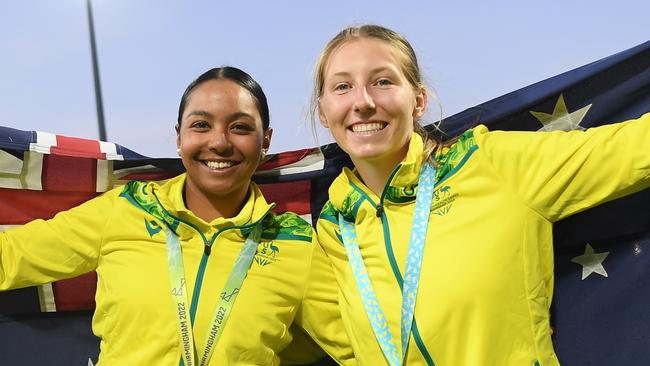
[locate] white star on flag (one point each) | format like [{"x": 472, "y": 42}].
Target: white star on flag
[
  {"x": 561, "y": 119},
  {"x": 591, "y": 262}
]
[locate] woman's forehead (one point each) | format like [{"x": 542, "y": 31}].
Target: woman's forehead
[
  {"x": 221, "y": 95},
  {"x": 367, "y": 54}
]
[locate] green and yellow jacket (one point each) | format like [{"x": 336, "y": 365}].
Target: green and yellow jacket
[
  {"x": 487, "y": 273},
  {"x": 121, "y": 236}
]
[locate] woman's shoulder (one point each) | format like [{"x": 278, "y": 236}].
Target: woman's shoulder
[
  {"x": 287, "y": 226},
  {"x": 146, "y": 192},
  {"x": 135, "y": 191},
  {"x": 149, "y": 197},
  {"x": 460, "y": 145},
  {"x": 329, "y": 213},
  {"x": 455, "y": 152}
]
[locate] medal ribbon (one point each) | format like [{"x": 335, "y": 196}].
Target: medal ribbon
[
  {"x": 389, "y": 347},
  {"x": 226, "y": 298}
]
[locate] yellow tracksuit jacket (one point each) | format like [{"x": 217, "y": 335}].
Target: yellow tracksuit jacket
[
  {"x": 121, "y": 235},
  {"x": 487, "y": 272}
]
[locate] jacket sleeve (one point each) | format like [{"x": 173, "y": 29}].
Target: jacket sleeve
[
  {"x": 65, "y": 246},
  {"x": 319, "y": 315},
  {"x": 558, "y": 174}
]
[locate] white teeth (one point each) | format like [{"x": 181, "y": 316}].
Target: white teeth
[
  {"x": 219, "y": 164},
  {"x": 367, "y": 127}
]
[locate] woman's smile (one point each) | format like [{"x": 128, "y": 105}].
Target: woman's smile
[{"x": 367, "y": 127}]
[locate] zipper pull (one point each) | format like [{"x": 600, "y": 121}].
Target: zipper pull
[
  {"x": 207, "y": 250},
  {"x": 380, "y": 210}
]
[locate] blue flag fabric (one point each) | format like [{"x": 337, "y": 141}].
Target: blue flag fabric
[
  {"x": 604, "y": 320},
  {"x": 601, "y": 308},
  {"x": 613, "y": 89}
]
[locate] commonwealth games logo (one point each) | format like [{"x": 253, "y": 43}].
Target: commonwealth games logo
[
  {"x": 266, "y": 253},
  {"x": 443, "y": 200}
]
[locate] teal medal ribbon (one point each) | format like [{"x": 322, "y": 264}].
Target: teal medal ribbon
[
  {"x": 226, "y": 298},
  {"x": 389, "y": 347}
]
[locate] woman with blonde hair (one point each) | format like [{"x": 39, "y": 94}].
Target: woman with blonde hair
[{"x": 443, "y": 253}]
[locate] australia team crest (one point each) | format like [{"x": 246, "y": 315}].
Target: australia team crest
[
  {"x": 267, "y": 253},
  {"x": 443, "y": 200}
]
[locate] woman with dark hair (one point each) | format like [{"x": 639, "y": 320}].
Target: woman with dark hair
[{"x": 177, "y": 279}]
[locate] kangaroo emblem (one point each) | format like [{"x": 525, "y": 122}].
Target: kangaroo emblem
[
  {"x": 267, "y": 253},
  {"x": 274, "y": 249},
  {"x": 444, "y": 200}
]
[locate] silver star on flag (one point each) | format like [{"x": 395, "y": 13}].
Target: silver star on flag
[
  {"x": 561, "y": 119},
  {"x": 591, "y": 262}
]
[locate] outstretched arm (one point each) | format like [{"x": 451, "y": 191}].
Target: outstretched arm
[
  {"x": 561, "y": 173},
  {"x": 65, "y": 246}
]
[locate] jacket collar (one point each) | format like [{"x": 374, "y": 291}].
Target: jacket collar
[
  {"x": 169, "y": 198},
  {"x": 348, "y": 191}
]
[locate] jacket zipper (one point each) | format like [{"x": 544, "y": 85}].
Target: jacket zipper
[
  {"x": 204, "y": 260},
  {"x": 206, "y": 252}
]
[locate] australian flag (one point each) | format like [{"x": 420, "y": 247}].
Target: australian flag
[{"x": 601, "y": 307}]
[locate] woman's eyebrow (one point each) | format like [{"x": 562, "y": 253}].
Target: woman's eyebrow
[
  {"x": 380, "y": 69},
  {"x": 374, "y": 71},
  {"x": 238, "y": 115},
  {"x": 199, "y": 113}
]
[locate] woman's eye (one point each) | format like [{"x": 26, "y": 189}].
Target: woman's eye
[
  {"x": 341, "y": 87},
  {"x": 384, "y": 82},
  {"x": 241, "y": 127},
  {"x": 200, "y": 124}
]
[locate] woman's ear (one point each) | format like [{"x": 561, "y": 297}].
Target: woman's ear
[
  {"x": 421, "y": 102},
  {"x": 266, "y": 142},
  {"x": 178, "y": 139},
  {"x": 321, "y": 115}
]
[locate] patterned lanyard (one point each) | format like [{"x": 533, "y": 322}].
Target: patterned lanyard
[
  {"x": 226, "y": 298},
  {"x": 411, "y": 277}
]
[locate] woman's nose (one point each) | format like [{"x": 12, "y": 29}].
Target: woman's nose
[
  {"x": 363, "y": 101},
  {"x": 220, "y": 142}
]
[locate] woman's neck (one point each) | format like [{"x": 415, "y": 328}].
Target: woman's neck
[
  {"x": 209, "y": 208},
  {"x": 375, "y": 173},
  {"x": 373, "y": 177}
]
